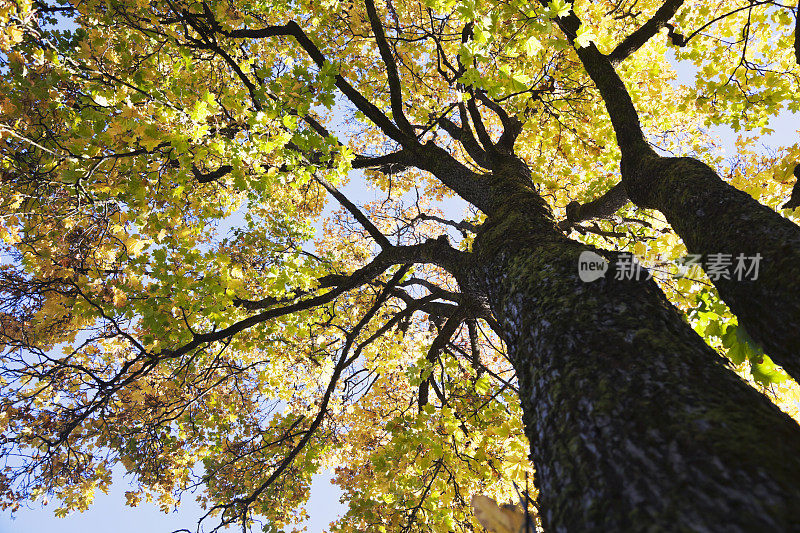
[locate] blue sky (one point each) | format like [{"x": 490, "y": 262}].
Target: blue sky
[{"x": 108, "y": 513}]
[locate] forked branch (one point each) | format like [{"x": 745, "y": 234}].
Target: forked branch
[{"x": 638, "y": 38}]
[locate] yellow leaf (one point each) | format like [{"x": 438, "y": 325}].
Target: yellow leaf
[
  {"x": 120, "y": 298},
  {"x": 495, "y": 518},
  {"x": 135, "y": 246}
]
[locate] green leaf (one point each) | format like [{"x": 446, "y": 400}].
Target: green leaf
[
  {"x": 532, "y": 46},
  {"x": 289, "y": 122},
  {"x": 520, "y": 82},
  {"x": 766, "y": 373},
  {"x": 482, "y": 385},
  {"x": 481, "y": 36},
  {"x": 558, "y": 8},
  {"x": 737, "y": 351},
  {"x": 584, "y": 36}
]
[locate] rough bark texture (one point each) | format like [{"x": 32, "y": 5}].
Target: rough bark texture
[
  {"x": 712, "y": 217},
  {"x": 634, "y": 422},
  {"x": 709, "y": 215},
  {"x": 604, "y": 207}
]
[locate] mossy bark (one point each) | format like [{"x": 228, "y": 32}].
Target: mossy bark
[
  {"x": 714, "y": 218},
  {"x": 634, "y": 422},
  {"x": 709, "y": 215}
]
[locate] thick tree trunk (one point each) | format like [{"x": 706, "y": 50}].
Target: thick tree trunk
[
  {"x": 634, "y": 422},
  {"x": 714, "y": 218}
]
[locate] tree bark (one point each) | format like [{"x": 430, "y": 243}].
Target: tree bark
[
  {"x": 714, "y": 218},
  {"x": 711, "y": 217},
  {"x": 634, "y": 422}
]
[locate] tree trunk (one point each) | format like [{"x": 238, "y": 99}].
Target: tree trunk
[
  {"x": 714, "y": 218},
  {"x": 634, "y": 422},
  {"x": 711, "y": 217}
]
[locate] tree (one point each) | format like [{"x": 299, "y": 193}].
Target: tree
[{"x": 163, "y": 307}]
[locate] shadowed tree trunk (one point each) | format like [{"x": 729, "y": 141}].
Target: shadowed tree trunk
[
  {"x": 633, "y": 420},
  {"x": 711, "y": 216},
  {"x": 714, "y": 218}
]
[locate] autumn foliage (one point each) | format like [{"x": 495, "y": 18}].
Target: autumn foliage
[{"x": 194, "y": 284}]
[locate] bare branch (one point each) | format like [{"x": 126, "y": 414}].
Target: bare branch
[
  {"x": 428, "y": 157},
  {"x": 395, "y": 89},
  {"x": 374, "y": 232},
  {"x": 480, "y": 128},
  {"x": 512, "y": 126},
  {"x": 341, "y": 364},
  {"x": 463, "y": 135},
  {"x": 211, "y": 176},
  {"x": 603, "y": 207},
  {"x": 434, "y": 251},
  {"x": 292, "y": 29},
  {"x": 751, "y": 4},
  {"x": 472, "y": 328},
  {"x": 445, "y": 333},
  {"x": 393, "y": 162},
  {"x": 462, "y": 226}
]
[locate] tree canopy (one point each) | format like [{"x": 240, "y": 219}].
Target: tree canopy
[{"x": 190, "y": 288}]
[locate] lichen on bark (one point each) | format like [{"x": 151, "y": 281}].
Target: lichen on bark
[
  {"x": 634, "y": 422},
  {"x": 713, "y": 217}
]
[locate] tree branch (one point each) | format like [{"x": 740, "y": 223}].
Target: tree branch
[
  {"x": 428, "y": 157},
  {"x": 603, "y": 207},
  {"x": 462, "y": 226},
  {"x": 395, "y": 88},
  {"x": 480, "y": 128},
  {"x": 428, "y": 306},
  {"x": 448, "y": 330},
  {"x": 392, "y": 162},
  {"x": 617, "y": 99},
  {"x": 369, "y": 109},
  {"x": 292, "y": 29},
  {"x": 512, "y": 126},
  {"x": 638, "y": 38},
  {"x": 207, "y": 26},
  {"x": 794, "y": 198},
  {"x": 463, "y": 135},
  {"x": 374, "y": 232},
  {"x": 425, "y": 304},
  {"x": 341, "y": 364},
  {"x": 211, "y": 176},
  {"x": 797, "y": 33},
  {"x": 436, "y": 291},
  {"x": 472, "y": 328},
  {"x": 433, "y": 251}
]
